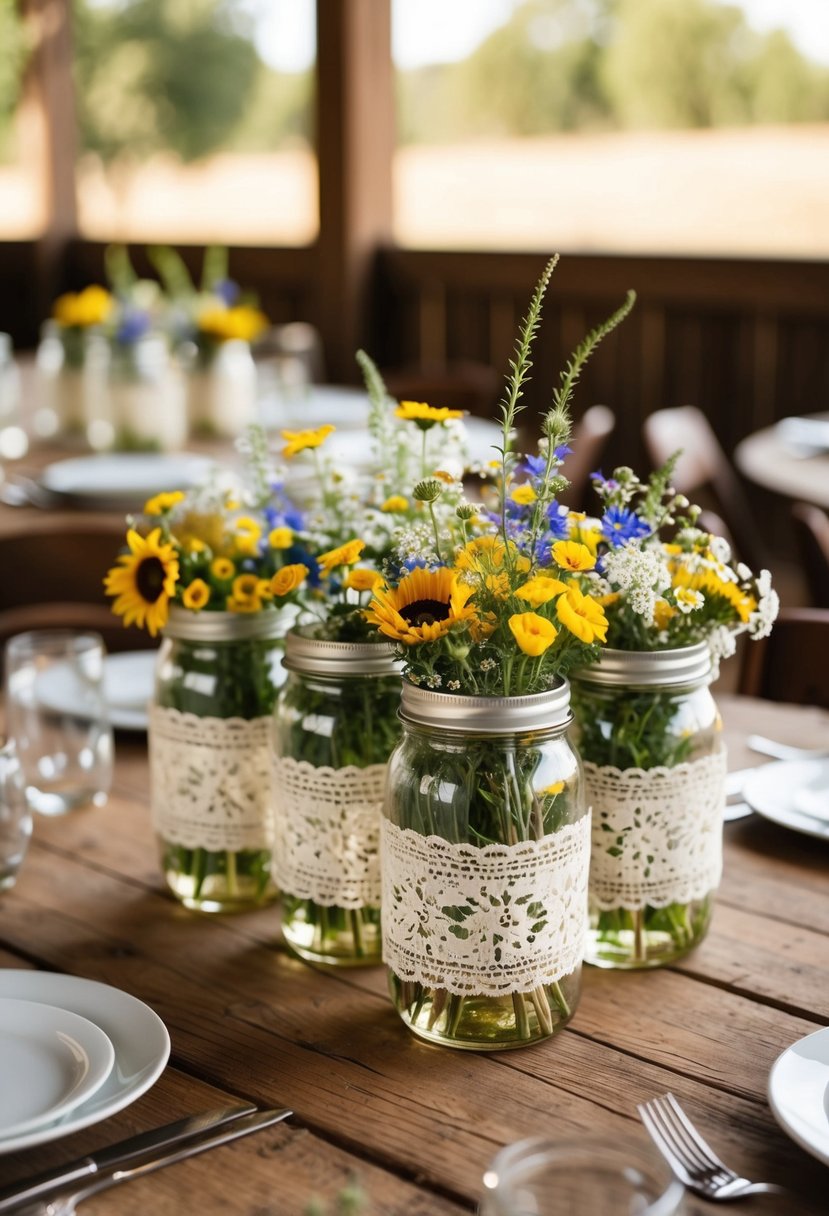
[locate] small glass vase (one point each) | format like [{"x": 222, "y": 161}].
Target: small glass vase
[
  {"x": 222, "y": 389},
  {"x": 335, "y": 725},
  {"x": 145, "y": 406},
  {"x": 650, "y": 736},
  {"x": 217, "y": 677},
  {"x": 63, "y": 393},
  {"x": 485, "y": 852}
]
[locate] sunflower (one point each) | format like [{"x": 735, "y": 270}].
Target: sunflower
[
  {"x": 196, "y": 596},
  {"x": 425, "y": 416},
  {"x": 144, "y": 581},
  {"x": 298, "y": 441},
  {"x": 422, "y": 608}
]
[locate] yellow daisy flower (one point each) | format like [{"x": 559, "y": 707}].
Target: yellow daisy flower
[
  {"x": 91, "y": 306},
  {"x": 343, "y": 555},
  {"x": 281, "y": 538},
  {"x": 245, "y": 587},
  {"x": 572, "y": 555},
  {"x": 362, "y": 579},
  {"x": 533, "y": 633},
  {"x": 524, "y": 495},
  {"x": 222, "y": 568},
  {"x": 582, "y": 615},
  {"x": 144, "y": 581},
  {"x": 425, "y": 416},
  {"x": 163, "y": 502},
  {"x": 395, "y": 504},
  {"x": 288, "y": 579},
  {"x": 298, "y": 441},
  {"x": 423, "y": 608},
  {"x": 197, "y": 595}
]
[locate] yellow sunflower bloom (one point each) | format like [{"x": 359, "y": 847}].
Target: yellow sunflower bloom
[
  {"x": 222, "y": 568},
  {"x": 582, "y": 615},
  {"x": 524, "y": 495},
  {"x": 395, "y": 504},
  {"x": 245, "y": 587},
  {"x": 298, "y": 441},
  {"x": 242, "y": 323},
  {"x": 423, "y": 608},
  {"x": 362, "y": 579},
  {"x": 533, "y": 633},
  {"x": 144, "y": 581},
  {"x": 91, "y": 306},
  {"x": 343, "y": 555},
  {"x": 572, "y": 555},
  {"x": 163, "y": 502},
  {"x": 197, "y": 595},
  {"x": 248, "y": 534},
  {"x": 425, "y": 416},
  {"x": 541, "y": 590},
  {"x": 281, "y": 538},
  {"x": 288, "y": 579}
]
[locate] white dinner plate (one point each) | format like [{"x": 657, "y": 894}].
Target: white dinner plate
[
  {"x": 138, "y": 1036},
  {"x": 50, "y": 1061},
  {"x": 793, "y": 793},
  {"x": 128, "y": 688},
  {"x": 123, "y": 480},
  {"x": 799, "y": 1092}
]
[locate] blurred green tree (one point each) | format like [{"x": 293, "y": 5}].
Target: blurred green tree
[{"x": 14, "y": 48}]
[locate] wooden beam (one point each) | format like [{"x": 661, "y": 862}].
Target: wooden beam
[{"x": 355, "y": 143}]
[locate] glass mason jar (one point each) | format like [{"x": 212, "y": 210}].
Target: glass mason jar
[
  {"x": 222, "y": 389},
  {"x": 61, "y": 380},
  {"x": 650, "y": 736},
  {"x": 144, "y": 401},
  {"x": 336, "y": 724},
  {"x": 484, "y": 856},
  {"x": 216, "y": 683}
]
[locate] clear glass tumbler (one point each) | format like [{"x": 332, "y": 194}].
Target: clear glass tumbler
[
  {"x": 15, "y": 816},
  {"x": 590, "y": 1177},
  {"x": 58, "y": 718}
]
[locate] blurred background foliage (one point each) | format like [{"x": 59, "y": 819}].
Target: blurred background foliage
[{"x": 185, "y": 76}]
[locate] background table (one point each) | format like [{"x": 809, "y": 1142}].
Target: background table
[
  {"x": 418, "y": 1124},
  {"x": 763, "y": 459}
]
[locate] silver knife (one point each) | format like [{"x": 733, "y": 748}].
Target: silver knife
[{"x": 111, "y": 1158}]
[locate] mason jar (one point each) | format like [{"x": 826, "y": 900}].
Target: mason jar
[
  {"x": 61, "y": 410},
  {"x": 485, "y": 852},
  {"x": 222, "y": 389},
  {"x": 144, "y": 400},
  {"x": 650, "y": 736},
  {"x": 217, "y": 676},
  {"x": 334, "y": 728}
]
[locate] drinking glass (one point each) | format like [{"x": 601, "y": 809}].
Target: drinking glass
[
  {"x": 58, "y": 718},
  {"x": 15, "y": 816},
  {"x": 618, "y": 1177}
]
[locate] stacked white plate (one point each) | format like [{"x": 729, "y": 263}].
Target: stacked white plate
[{"x": 72, "y": 1052}]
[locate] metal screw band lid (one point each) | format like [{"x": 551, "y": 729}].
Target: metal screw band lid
[
  {"x": 207, "y": 626},
  {"x": 319, "y": 656},
  {"x": 649, "y": 668},
  {"x": 487, "y": 715}
]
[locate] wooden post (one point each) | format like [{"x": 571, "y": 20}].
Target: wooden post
[
  {"x": 355, "y": 144},
  {"x": 50, "y": 134}
]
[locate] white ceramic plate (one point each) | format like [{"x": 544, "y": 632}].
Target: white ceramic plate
[
  {"x": 50, "y": 1061},
  {"x": 799, "y": 1093},
  {"x": 794, "y": 793},
  {"x": 128, "y": 688},
  {"x": 123, "y": 480},
  {"x": 138, "y": 1036}
]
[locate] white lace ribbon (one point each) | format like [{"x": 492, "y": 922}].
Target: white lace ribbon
[
  {"x": 326, "y": 832},
  {"x": 492, "y": 920},
  {"x": 210, "y": 781},
  {"x": 657, "y": 833}
]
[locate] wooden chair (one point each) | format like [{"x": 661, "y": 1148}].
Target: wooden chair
[
  {"x": 590, "y": 436},
  {"x": 792, "y": 664},
  {"x": 704, "y": 466},
  {"x": 811, "y": 526}
]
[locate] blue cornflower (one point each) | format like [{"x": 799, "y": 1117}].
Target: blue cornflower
[
  {"x": 227, "y": 291},
  {"x": 558, "y": 518},
  {"x": 134, "y": 324},
  {"x": 534, "y": 465},
  {"x": 620, "y": 525},
  {"x": 562, "y": 451}
]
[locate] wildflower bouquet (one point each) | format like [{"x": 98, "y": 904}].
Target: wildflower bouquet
[
  {"x": 217, "y": 571},
  {"x": 648, "y": 729},
  {"x": 485, "y": 840}
]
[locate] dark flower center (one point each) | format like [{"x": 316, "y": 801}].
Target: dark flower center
[
  {"x": 149, "y": 579},
  {"x": 425, "y": 612}
]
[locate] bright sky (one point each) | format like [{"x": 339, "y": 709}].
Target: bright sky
[{"x": 428, "y": 31}]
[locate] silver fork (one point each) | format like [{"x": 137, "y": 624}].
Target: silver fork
[{"x": 690, "y": 1157}]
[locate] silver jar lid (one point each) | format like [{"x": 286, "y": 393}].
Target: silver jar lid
[
  {"x": 649, "y": 668},
  {"x": 206, "y": 626},
  {"x": 487, "y": 715},
  {"x": 320, "y": 657}
]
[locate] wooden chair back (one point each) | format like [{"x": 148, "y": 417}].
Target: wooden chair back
[
  {"x": 704, "y": 467},
  {"x": 811, "y": 527},
  {"x": 792, "y": 664}
]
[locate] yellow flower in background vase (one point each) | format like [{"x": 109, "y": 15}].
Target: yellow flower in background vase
[
  {"x": 244, "y": 604},
  {"x": 81, "y": 309},
  {"x": 241, "y": 323},
  {"x": 299, "y": 441},
  {"x": 197, "y": 595},
  {"x": 222, "y": 568},
  {"x": 523, "y": 495},
  {"x": 281, "y": 538},
  {"x": 533, "y": 633},
  {"x": 343, "y": 555},
  {"x": 395, "y": 504},
  {"x": 362, "y": 579},
  {"x": 288, "y": 579},
  {"x": 423, "y": 608},
  {"x": 245, "y": 587},
  {"x": 248, "y": 534},
  {"x": 582, "y": 615},
  {"x": 425, "y": 416},
  {"x": 162, "y": 503},
  {"x": 144, "y": 581}
]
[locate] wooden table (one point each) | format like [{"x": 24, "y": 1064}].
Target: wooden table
[
  {"x": 418, "y": 1124},
  {"x": 764, "y": 459}
]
